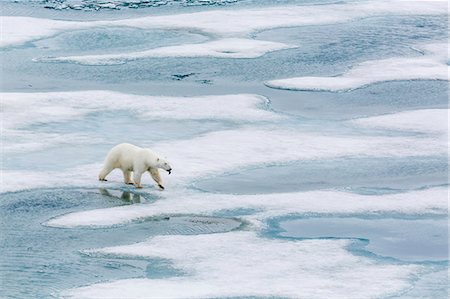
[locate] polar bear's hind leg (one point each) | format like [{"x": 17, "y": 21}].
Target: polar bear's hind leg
[{"x": 127, "y": 178}]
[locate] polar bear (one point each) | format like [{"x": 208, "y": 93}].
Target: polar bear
[{"x": 131, "y": 158}]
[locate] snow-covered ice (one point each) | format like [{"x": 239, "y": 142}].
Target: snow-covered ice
[
  {"x": 18, "y": 30},
  {"x": 67, "y": 116},
  {"x": 254, "y": 266},
  {"x": 223, "y": 48},
  {"x": 227, "y": 23},
  {"x": 434, "y": 121},
  {"x": 429, "y": 66},
  {"x": 207, "y": 154},
  {"x": 265, "y": 206},
  {"x": 21, "y": 111}
]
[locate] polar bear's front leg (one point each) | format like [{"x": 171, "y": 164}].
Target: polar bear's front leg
[
  {"x": 137, "y": 175},
  {"x": 104, "y": 172},
  {"x": 154, "y": 172},
  {"x": 127, "y": 178}
]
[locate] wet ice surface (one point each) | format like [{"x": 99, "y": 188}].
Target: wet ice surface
[
  {"x": 223, "y": 48},
  {"x": 39, "y": 255},
  {"x": 110, "y": 40},
  {"x": 431, "y": 64},
  {"x": 352, "y": 175},
  {"x": 404, "y": 239},
  {"x": 329, "y": 190},
  {"x": 414, "y": 239},
  {"x": 315, "y": 56}
]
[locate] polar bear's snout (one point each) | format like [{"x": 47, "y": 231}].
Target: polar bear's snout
[
  {"x": 169, "y": 170},
  {"x": 165, "y": 165}
]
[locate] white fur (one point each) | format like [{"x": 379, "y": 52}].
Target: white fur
[{"x": 131, "y": 158}]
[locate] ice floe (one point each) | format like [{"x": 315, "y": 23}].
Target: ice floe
[
  {"x": 14, "y": 180},
  {"x": 265, "y": 206},
  {"x": 228, "y": 23},
  {"x": 31, "y": 108},
  {"x": 21, "y": 111},
  {"x": 425, "y": 121},
  {"x": 21, "y": 141},
  {"x": 105, "y": 4},
  {"x": 226, "y": 150},
  {"x": 253, "y": 266},
  {"x": 18, "y": 30},
  {"x": 223, "y": 48},
  {"x": 432, "y": 65},
  {"x": 241, "y": 263},
  {"x": 221, "y": 151}
]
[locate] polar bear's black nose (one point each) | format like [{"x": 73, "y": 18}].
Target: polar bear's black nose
[{"x": 169, "y": 171}]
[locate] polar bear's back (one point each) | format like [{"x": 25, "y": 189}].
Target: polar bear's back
[{"x": 122, "y": 156}]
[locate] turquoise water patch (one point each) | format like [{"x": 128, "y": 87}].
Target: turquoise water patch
[
  {"x": 49, "y": 259},
  {"x": 107, "y": 40},
  {"x": 372, "y": 176},
  {"x": 324, "y": 51},
  {"x": 348, "y": 43},
  {"x": 116, "y": 124},
  {"x": 380, "y": 98},
  {"x": 413, "y": 240},
  {"x": 420, "y": 240},
  {"x": 113, "y": 124}
]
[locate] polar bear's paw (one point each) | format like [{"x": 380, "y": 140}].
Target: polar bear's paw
[{"x": 161, "y": 186}]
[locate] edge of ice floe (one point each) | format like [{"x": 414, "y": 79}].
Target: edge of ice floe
[
  {"x": 432, "y": 65},
  {"x": 266, "y": 206},
  {"x": 237, "y": 48},
  {"x": 242, "y": 259},
  {"x": 19, "y": 30}
]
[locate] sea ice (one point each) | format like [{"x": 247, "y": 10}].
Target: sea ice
[
  {"x": 24, "y": 141},
  {"x": 264, "y": 206},
  {"x": 366, "y": 175},
  {"x": 223, "y": 48},
  {"x": 241, "y": 263},
  {"x": 18, "y": 30},
  {"x": 432, "y": 65},
  {"x": 62, "y": 106},
  {"x": 227, "y": 23},
  {"x": 245, "y": 147},
  {"x": 253, "y": 266},
  {"x": 15, "y": 180},
  {"x": 434, "y": 121},
  {"x": 21, "y": 111},
  {"x": 415, "y": 239}
]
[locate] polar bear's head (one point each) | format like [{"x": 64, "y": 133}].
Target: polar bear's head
[{"x": 163, "y": 164}]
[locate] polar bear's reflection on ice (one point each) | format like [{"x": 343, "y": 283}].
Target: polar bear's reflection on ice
[{"x": 126, "y": 196}]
